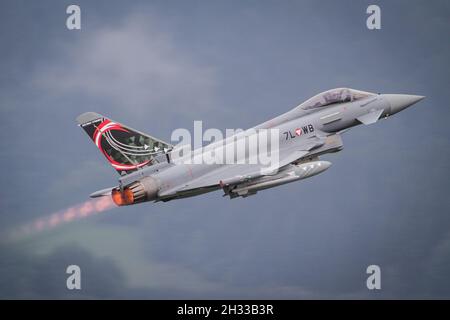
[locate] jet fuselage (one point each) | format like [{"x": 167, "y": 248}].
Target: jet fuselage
[{"x": 312, "y": 129}]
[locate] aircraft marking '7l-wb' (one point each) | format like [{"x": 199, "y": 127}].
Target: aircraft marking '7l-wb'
[{"x": 149, "y": 172}]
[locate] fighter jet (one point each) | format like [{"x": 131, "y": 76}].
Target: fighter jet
[{"x": 150, "y": 171}]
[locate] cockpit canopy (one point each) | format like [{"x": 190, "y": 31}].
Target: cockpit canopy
[{"x": 334, "y": 96}]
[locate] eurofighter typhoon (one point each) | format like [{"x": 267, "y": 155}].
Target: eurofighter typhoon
[{"x": 153, "y": 170}]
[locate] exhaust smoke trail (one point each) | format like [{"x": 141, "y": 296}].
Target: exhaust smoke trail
[{"x": 83, "y": 210}]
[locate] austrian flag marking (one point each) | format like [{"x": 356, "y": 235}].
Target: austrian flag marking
[{"x": 298, "y": 131}]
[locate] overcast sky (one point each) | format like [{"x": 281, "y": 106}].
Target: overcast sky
[{"x": 157, "y": 66}]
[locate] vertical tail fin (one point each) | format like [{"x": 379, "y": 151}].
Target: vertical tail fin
[{"x": 125, "y": 149}]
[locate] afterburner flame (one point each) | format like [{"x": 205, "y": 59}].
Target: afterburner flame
[{"x": 123, "y": 198}]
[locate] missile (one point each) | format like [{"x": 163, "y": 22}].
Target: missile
[{"x": 290, "y": 174}]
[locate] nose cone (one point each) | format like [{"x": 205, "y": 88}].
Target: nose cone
[
  {"x": 399, "y": 102},
  {"x": 309, "y": 169}
]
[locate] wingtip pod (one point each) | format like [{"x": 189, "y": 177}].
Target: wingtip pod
[{"x": 87, "y": 117}]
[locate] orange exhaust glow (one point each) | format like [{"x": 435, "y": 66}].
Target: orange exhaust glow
[
  {"x": 123, "y": 198},
  {"x": 116, "y": 195},
  {"x": 128, "y": 196}
]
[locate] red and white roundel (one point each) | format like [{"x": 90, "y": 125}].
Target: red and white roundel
[{"x": 298, "y": 131}]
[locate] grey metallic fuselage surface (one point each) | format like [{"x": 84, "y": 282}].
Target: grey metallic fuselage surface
[{"x": 153, "y": 170}]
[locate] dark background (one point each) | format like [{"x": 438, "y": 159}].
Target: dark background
[{"x": 158, "y": 66}]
